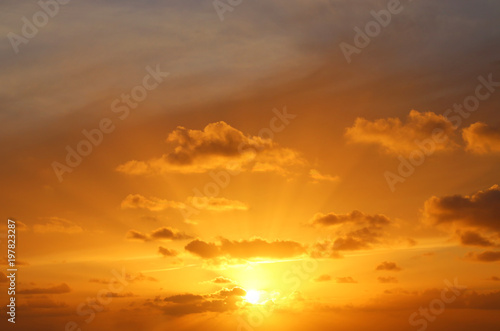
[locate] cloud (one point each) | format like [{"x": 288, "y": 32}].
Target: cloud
[
  {"x": 471, "y": 238},
  {"x": 395, "y": 137},
  {"x": 166, "y": 233},
  {"x": 58, "y": 289},
  {"x": 354, "y": 231},
  {"x": 140, "y": 277},
  {"x": 387, "y": 280},
  {"x": 216, "y": 204},
  {"x": 477, "y": 213},
  {"x": 388, "y": 266},
  {"x": 163, "y": 233},
  {"x": 167, "y": 252},
  {"x": 184, "y": 304},
  {"x": 317, "y": 177},
  {"x": 221, "y": 280},
  {"x": 494, "y": 278},
  {"x": 226, "y": 293},
  {"x": 217, "y": 146},
  {"x": 331, "y": 248},
  {"x": 245, "y": 249},
  {"x": 355, "y": 217},
  {"x": 137, "y": 201},
  {"x": 203, "y": 249},
  {"x": 323, "y": 278},
  {"x": 136, "y": 235},
  {"x": 487, "y": 256},
  {"x": 184, "y": 298},
  {"x": 481, "y": 139},
  {"x": 346, "y": 280},
  {"x": 3, "y": 278},
  {"x": 57, "y": 225},
  {"x": 350, "y": 244}
]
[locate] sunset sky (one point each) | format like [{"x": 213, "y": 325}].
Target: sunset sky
[{"x": 251, "y": 165}]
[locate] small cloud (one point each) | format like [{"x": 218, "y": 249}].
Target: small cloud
[
  {"x": 388, "y": 266},
  {"x": 167, "y": 252},
  {"x": 163, "y": 233},
  {"x": 494, "y": 278},
  {"x": 216, "y": 204},
  {"x": 355, "y": 217},
  {"x": 323, "y": 278},
  {"x": 184, "y": 298},
  {"x": 136, "y": 235},
  {"x": 224, "y": 300},
  {"x": 166, "y": 233},
  {"x": 346, "y": 280},
  {"x": 140, "y": 277},
  {"x": 137, "y": 201},
  {"x": 203, "y": 249},
  {"x": 226, "y": 293},
  {"x": 355, "y": 231},
  {"x": 387, "y": 280},
  {"x": 221, "y": 280}
]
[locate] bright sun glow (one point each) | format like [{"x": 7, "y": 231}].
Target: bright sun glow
[{"x": 252, "y": 296}]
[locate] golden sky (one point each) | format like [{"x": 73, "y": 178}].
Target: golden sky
[{"x": 251, "y": 165}]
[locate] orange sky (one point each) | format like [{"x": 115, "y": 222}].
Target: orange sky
[{"x": 225, "y": 166}]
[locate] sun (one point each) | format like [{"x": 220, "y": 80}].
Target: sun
[{"x": 252, "y": 296}]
